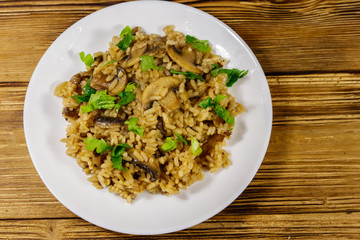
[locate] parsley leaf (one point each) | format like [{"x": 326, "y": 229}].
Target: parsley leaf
[
  {"x": 199, "y": 45},
  {"x": 195, "y": 147},
  {"x": 88, "y": 59},
  {"x": 87, "y": 93},
  {"x": 188, "y": 75},
  {"x": 181, "y": 138},
  {"x": 130, "y": 87},
  {"x": 206, "y": 103},
  {"x": 218, "y": 98},
  {"x": 99, "y": 100},
  {"x": 147, "y": 62},
  {"x": 100, "y": 145},
  {"x": 232, "y": 74},
  {"x": 128, "y": 38},
  {"x": 127, "y": 96},
  {"x": 111, "y": 61},
  {"x": 116, "y": 155},
  {"x": 219, "y": 110},
  {"x": 169, "y": 145},
  {"x": 81, "y": 98},
  {"x": 126, "y": 31},
  {"x": 133, "y": 127}
]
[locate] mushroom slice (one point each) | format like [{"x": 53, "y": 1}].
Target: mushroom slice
[
  {"x": 99, "y": 82},
  {"x": 119, "y": 81},
  {"x": 158, "y": 89},
  {"x": 134, "y": 57},
  {"x": 107, "y": 121},
  {"x": 185, "y": 58},
  {"x": 70, "y": 113},
  {"x": 78, "y": 78},
  {"x": 115, "y": 86},
  {"x": 152, "y": 168},
  {"x": 170, "y": 102}
]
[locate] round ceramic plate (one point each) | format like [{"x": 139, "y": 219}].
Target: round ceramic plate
[{"x": 148, "y": 214}]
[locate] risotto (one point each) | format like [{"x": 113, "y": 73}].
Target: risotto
[{"x": 151, "y": 113}]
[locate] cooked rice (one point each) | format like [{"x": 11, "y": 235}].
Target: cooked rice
[{"x": 178, "y": 168}]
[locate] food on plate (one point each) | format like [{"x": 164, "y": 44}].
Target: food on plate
[{"x": 151, "y": 113}]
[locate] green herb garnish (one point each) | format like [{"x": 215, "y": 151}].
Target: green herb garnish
[
  {"x": 218, "y": 98},
  {"x": 195, "y": 147},
  {"x": 206, "y": 103},
  {"x": 116, "y": 156},
  {"x": 126, "y": 96},
  {"x": 128, "y": 38},
  {"x": 126, "y": 31},
  {"x": 199, "y": 45},
  {"x": 147, "y": 62},
  {"x": 188, "y": 75},
  {"x": 87, "y": 93},
  {"x": 219, "y": 110},
  {"x": 133, "y": 127},
  {"x": 99, "y": 100},
  {"x": 88, "y": 59},
  {"x": 181, "y": 138},
  {"x": 111, "y": 61},
  {"x": 232, "y": 74},
  {"x": 100, "y": 145},
  {"x": 169, "y": 145},
  {"x": 130, "y": 87}
]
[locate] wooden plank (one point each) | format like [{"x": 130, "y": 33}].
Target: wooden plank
[
  {"x": 309, "y": 168},
  {"x": 286, "y": 36},
  {"x": 277, "y": 226}
]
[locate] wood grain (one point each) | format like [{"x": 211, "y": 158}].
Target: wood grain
[
  {"x": 308, "y": 185},
  {"x": 309, "y": 175},
  {"x": 286, "y": 36},
  {"x": 301, "y": 226}
]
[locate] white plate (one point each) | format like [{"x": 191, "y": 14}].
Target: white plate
[{"x": 148, "y": 214}]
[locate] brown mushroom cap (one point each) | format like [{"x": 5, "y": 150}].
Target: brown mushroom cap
[
  {"x": 107, "y": 121},
  {"x": 137, "y": 50},
  {"x": 161, "y": 90},
  {"x": 185, "y": 57},
  {"x": 99, "y": 82},
  {"x": 153, "y": 168},
  {"x": 118, "y": 84}
]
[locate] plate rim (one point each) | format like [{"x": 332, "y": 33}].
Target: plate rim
[{"x": 210, "y": 214}]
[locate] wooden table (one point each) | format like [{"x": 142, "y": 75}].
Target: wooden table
[{"x": 308, "y": 186}]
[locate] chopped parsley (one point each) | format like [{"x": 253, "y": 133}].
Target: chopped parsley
[
  {"x": 169, "y": 145},
  {"x": 126, "y": 31},
  {"x": 218, "y": 98},
  {"x": 133, "y": 127},
  {"x": 219, "y": 110},
  {"x": 128, "y": 38},
  {"x": 116, "y": 155},
  {"x": 100, "y": 145},
  {"x": 232, "y": 74},
  {"x": 99, "y": 100},
  {"x": 147, "y": 62},
  {"x": 181, "y": 138},
  {"x": 126, "y": 96},
  {"x": 130, "y": 87},
  {"x": 111, "y": 61},
  {"x": 88, "y": 59},
  {"x": 188, "y": 75},
  {"x": 206, "y": 103},
  {"x": 199, "y": 45},
  {"x": 195, "y": 147},
  {"x": 87, "y": 93}
]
